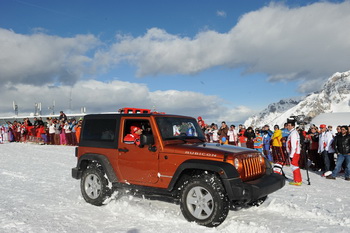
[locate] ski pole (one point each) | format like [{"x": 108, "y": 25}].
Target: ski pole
[{"x": 307, "y": 169}]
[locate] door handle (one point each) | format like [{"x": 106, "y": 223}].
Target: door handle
[{"x": 123, "y": 150}]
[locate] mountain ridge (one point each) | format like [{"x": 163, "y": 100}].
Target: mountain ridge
[{"x": 333, "y": 97}]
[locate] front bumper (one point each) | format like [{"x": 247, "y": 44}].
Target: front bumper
[
  {"x": 253, "y": 190},
  {"x": 76, "y": 173}
]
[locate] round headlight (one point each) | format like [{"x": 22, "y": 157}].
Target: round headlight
[
  {"x": 236, "y": 163},
  {"x": 261, "y": 158}
]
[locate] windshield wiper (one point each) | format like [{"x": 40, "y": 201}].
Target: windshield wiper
[{"x": 176, "y": 138}]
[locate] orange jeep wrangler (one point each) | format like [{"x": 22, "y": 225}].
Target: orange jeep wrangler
[{"x": 172, "y": 159}]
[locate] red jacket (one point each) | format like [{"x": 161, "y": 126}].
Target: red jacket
[
  {"x": 242, "y": 138},
  {"x": 132, "y": 138},
  {"x": 40, "y": 131}
]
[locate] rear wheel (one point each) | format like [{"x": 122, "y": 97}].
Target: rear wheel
[
  {"x": 204, "y": 200},
  {"x": 94, "y": 185}
]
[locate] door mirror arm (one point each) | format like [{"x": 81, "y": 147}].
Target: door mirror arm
[{"x": 152, "y": 148}]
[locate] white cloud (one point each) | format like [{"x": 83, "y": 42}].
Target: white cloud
[
  {"x": 298, "y": 43},
  {"x": 221, "y": 13},
  {"x": 39, "y": 58},
  {"x": 303, "y": 43},
  {"x": 99, "y": 96},
  {"x": 158, "y": 52}
]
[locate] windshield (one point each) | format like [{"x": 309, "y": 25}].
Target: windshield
[{"x": 179, "y": 128}]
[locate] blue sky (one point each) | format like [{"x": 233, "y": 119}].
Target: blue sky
[{"x": 224, "y": 60}]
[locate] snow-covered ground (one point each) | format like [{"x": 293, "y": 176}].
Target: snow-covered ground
[{"x": 38, "y": 194}]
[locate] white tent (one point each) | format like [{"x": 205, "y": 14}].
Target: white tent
[{"x": 333, "y": 119}]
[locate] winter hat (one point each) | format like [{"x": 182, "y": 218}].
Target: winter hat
[
  {"x": 323, "y": 126},
  {"x": 134, "y": 129}
]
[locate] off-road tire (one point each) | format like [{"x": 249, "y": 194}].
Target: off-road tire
[
  {"x": 94, "y": 185},
  {"x": 203, "y": 200}
]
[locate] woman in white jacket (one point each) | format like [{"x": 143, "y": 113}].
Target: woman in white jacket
[{"x": 232, "y": 135}]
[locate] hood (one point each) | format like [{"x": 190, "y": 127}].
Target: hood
[{"x": 206, "y": 149}]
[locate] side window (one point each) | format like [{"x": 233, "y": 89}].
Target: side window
[
  {"x": 99, "y": 130},
  {"x": 129, "y": 127}
]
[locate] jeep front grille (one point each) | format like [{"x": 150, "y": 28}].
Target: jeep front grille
[{"x": 252, "y": 167}]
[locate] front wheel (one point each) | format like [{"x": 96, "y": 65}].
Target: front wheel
[
  {"x": 204, "y": 200},
  {"x": 94, "y": 185}
]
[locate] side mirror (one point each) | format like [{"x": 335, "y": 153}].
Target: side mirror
[{"x": 146, "y": 139}]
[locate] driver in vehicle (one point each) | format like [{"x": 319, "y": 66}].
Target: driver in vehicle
[{"x": 134, "y": 136}]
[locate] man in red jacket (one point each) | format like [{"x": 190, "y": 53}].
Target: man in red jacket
[{"x": 134, "y": 136}]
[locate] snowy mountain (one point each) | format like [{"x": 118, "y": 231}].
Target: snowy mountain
[{"x": 334, "y": 97}]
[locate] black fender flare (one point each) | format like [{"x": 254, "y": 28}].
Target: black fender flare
[
  {"x": 101, "y": 159},
  {"x": 225, "y": 170}
]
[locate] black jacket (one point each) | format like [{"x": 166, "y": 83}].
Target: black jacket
[
  {"x": 250, "y": 135},
  {"x": 342, "y": 144}
]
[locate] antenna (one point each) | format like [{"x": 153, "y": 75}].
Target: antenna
[
  {"x": 15, "y": 108},
  {"x": 52, "y": 108},
  {"x": 83, "y": 110},
  {"x": 37, "y": 109}
]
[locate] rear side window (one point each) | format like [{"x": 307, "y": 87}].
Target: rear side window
[{"x": 99, "y": 130}]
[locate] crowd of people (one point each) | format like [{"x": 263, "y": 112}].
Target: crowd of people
[
  {"x": 327, "y": 150},
  {"x": 270, "y": 143},
  {"x": 321, "y": 149},
  {"x": 53, "y": 131}
]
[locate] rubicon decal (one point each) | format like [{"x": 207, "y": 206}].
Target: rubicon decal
[{"x": 200, "y": 153}]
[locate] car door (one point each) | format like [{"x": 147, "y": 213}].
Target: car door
[{"x": 137, "y": 165}]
